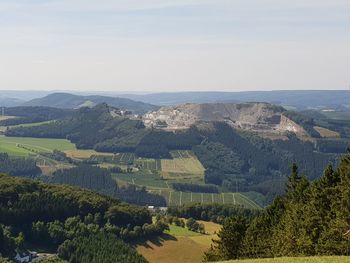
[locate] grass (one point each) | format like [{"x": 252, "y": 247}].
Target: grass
[
  {"x": 179, "y": 245},
  {"x": 149, "y": 180},
  {"x": 85, "y": 154},
  {"x": 148, "y": 164},
  {"x": 124, "y": 158},
  {"x": 2, "y": 118},
  {"x": 183, "y": 164},
  {"x": 326, "y": 133},
  {"x": 171, "y": 249},
  {"x": 295, "y": 260},
  {"x": 3, "y": 128},
  {"x": 181, "y": 231},
  {"x": 25, "y": 146}
]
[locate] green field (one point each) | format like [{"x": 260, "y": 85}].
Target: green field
[
  {"x": 294, "y": 260},
  {"x": 156, "y": 175},
  {"x": 24, "y": 146},
  {"x": 148, "y": 164},
  {"x": 123, "y": 158},
  {"x": 142, "y": 179},
  {"x": 3, "y": 128},
  {"x": 181, "y": 231},
  {"x": 183, "y": 165}
]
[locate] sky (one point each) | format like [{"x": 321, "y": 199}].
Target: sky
[{"x": 174, "y": 45}]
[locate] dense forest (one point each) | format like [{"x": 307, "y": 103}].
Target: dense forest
[
  {"x": 312, "y": 218},
  {"x": 242, "y": 161},
  {"x": 18, "y": 166},
  {"x": 98, "y": 248},
  {"x": 33, "y": 114},
  {"x": 100, "y": 180},
  {"x": 60, "y": 217},
  {"x": 216, "y": 213}
]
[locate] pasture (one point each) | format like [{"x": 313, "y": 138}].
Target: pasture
[
  {"x": 85, "y": 154},
  {"x": 333, "y": 259},
  {"x": 187, "y": 246},
  {"x": 124, "y": 158},
  {"x": 148, "y": 164},
  {"x": 25, "y": 146},
  {"x": 3, "y": 128},
  {"x": 326, "y": 133},
  {"x": 183, "y": 165}
]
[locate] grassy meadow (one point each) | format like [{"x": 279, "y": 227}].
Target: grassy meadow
[
  {"x": 25, "y": 146},
  {"x": 183, "y": 165},
  {"x": 179, "y": 245},
  {"x": 326, "y": 133}
]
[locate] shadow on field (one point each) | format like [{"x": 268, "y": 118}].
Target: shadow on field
[{"x": 158, "y": 241}]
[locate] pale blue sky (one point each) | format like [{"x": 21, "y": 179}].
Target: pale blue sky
[{"x": 169, "y": 45}]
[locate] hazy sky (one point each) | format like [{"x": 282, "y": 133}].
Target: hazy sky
[{"x": 169, "y": 45}]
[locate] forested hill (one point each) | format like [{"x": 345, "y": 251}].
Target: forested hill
[
  {"x": 87, "y": 127},
  {"x": 313, "y": 218},
  {"x": 233, "y": 158},
  {"x": 65, "y": 219},
  {"x": 70, "y": 101},
  {"x": 33, "y": 114}
]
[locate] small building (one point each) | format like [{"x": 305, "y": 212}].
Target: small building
[
  {"x": 25, "y": 256},
  {"x": 22, "y": 257}
]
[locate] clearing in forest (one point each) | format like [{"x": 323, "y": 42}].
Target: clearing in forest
[
  {"x": 179, "y": 245},
  {"x": 183, "y": 165}
]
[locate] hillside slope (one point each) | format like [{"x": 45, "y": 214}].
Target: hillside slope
[
  {"x": 70, "y": 101},
  {"x": 255, "y": 116}
]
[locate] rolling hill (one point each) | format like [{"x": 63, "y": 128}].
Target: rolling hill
[
  {"x": 10, "y": 102},
  {"x": 71, "y": 101},
  {"x": 235, "y": 157}
]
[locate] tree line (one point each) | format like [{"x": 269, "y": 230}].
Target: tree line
[
  {"x": 312, "y": 218},
  {"x": 18, "y": 166},
  {"x": 55, "y": 216},
  {"x": 100, "y": 180}
]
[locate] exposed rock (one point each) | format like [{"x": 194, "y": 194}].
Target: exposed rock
[{"x": 257, "y": 116}]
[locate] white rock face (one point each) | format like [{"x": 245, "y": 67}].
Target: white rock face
[{"x": 260, "y": 117}]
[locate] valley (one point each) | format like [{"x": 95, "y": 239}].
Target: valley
[
  {"x": 174, "y": 131},
  {"x": 156, "y": 175},
  {"x": 241, "y": 151},
  {"x": 204, "y": 162}
]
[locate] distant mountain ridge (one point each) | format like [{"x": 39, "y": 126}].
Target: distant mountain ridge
[
  {"x": 300, "y": 99},
  {"x": 10, "y": 102},
  {"x": 71, "y": 101}
]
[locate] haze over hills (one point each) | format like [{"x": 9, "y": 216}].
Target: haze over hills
[
  {"x": 10, "y": 102},
  {"x": 296, "y": 99},
  {"x": 301, "y": 99},
  {"x": 71, "y": 101}
]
